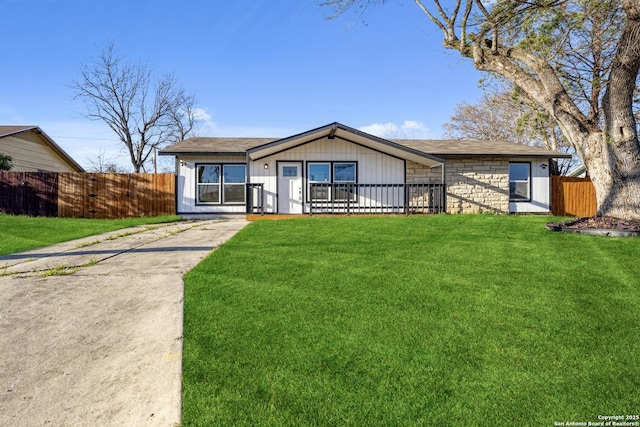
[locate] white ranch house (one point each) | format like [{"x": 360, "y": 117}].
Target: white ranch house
[{"x": 338, "y": 169}]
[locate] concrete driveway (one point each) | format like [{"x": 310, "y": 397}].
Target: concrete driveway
[{"x": 91, "y": 330}]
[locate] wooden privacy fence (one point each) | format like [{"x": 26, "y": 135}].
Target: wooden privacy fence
[
  {"x": 573, "y": 197},
  {"x": 29, "y": 193},
  {"x": 87, "y": 195}
]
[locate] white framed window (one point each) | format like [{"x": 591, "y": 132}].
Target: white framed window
[
  {"x": 221, "y": 184},
  {"x": 519, "y": 182}
]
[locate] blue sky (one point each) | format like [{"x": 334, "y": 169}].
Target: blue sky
[{"x": 257, "y": 68}]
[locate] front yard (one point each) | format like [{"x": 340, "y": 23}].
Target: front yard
[
  {"x": 21, "y": 233},
  {"x": 440, "y": 320}
]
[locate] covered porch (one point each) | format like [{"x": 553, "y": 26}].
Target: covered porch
[{"x": 368, "y": 199}]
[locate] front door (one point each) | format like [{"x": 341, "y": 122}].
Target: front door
[{"x": 290, "y": 199}]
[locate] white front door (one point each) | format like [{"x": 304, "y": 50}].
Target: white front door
[{"x": 290, "y": 199}]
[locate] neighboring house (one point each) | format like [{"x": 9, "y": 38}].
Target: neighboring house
[
  {"x": 338, "y": 169},
  {"x": 31, "y": 150},
  {"x": 578, "y": 172}
]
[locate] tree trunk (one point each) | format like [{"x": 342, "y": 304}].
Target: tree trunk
[
  {"x": 612, "y": 156},
  {"x": 615, "y": 172},
  {"x": 611, "y": 153},
  {"x": 615, "y": 166}
]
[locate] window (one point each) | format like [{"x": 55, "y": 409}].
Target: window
[
  {"x": 320, "y": 173},
  {"x": 332, "y": 173},
  {"x": 221, "y": 184},
  {"x": 290, "y": 171},
  {"x": 344, "y": 173},
  {"x": 209, "y": 184},
  {"x": 519, "y": 182},
  {"x": 234, "y": 183}
]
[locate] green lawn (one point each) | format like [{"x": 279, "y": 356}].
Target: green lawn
[
  {"x": 452, "y": 320},
  {"x": 21, "y": 233}
]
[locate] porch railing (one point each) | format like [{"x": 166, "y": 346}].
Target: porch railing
[
  {"x": 349, "y": 198},
  {"x": 255, "y": 198}
]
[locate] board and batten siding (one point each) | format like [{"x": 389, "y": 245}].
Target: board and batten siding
[
  {"x": 373, "y": 167},
  {"x": 29, "y": 153},
  {"x": 540, "y": 188},
  {"x": 187, "y": 182}
]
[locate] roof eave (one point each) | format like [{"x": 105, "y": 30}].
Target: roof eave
[
  {"x": 55, "y": 147},
  {"x": 507, "y": 155},
  {"x": 17, "y": 131},
  {"x": 202, "y": 153},
  {"x": 61, "y": 152}
]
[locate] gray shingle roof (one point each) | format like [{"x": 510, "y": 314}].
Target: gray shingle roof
[
  {"x": 439, "y": 148},
  {"x": 202, "y": 145},
  {"x": 474, "y": 148}
]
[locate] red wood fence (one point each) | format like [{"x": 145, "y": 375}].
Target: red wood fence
[
  {"x": 573, "y": 197},
  {"x": 87, "y": 195}
]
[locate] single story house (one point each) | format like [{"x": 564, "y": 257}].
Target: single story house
[
  {"x": 32, "y": 150},
  {"x": 338, "y": 169}
]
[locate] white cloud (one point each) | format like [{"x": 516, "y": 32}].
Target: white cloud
[
  {"x": 383, "y": 130},
  {"x": 409, "y": 129},
  {"x": 414, "y": 130},
  {"x": 206, "y": 125}
]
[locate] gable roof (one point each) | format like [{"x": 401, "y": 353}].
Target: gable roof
[
  {"x": 340, "y": 131},
  {"x": 6, "y": 131},
  {"x": 10, "y": 130},
  {"x": 429, "y": 152}
]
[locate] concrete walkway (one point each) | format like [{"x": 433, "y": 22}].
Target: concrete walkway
[{"x": 91, "y": 330}]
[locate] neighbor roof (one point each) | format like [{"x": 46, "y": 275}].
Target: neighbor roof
[
  {"x": 10, "y": 130},
  {"x": 429, "y": 151},
  {"x": 6, "y": 131}
]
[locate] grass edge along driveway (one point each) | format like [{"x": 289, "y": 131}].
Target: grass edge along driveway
[
  {"x": 439, "y": 320},
  {"x": 21, "y": 233}
]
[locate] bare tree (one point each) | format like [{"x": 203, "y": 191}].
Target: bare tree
[
  {"x": 102, "y": 163},
  {"x": 504, "y": 116},
  {"x": 577, "y": 60},
  {"x": 494, "y": 117},
  {"x": 145, "y": 113}
]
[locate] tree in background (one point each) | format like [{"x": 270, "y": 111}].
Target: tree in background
[
  {"x": 5, "y": 162},
  {"x": 502, "y": 115},
  {"x": 104, "y": 164},
  {"x": 576, "y": 60},
  {"x": 145, "y": 113}
]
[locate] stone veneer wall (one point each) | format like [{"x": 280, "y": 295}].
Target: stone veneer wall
[{"x": 473, "y": 185}]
